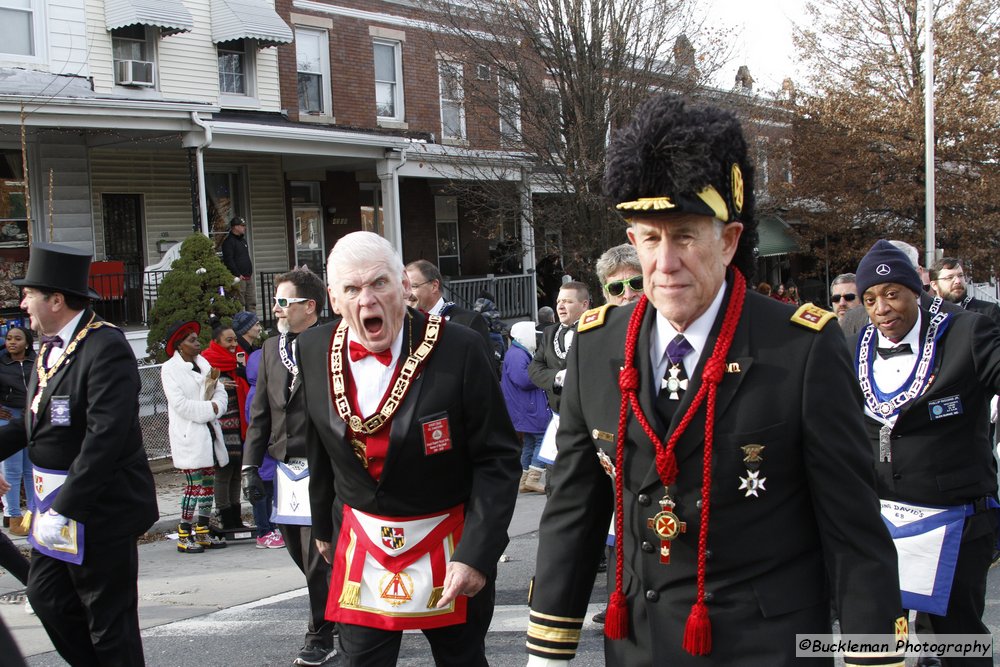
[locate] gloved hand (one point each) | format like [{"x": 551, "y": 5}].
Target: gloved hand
[
  {"x": 253, "y": 485},
  {"x": 49, "y": 526},
  {"x": 560, "y": 376}
]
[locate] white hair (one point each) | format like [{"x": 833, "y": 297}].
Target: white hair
[
  {"x": 361, "y": 249},
  {"x": 524, "y": 333},
  {"x": 908, "y": 250}
]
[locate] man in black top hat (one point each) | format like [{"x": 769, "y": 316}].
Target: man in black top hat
[
  {"x": 236, "y": 257},
  {"x": 95, "y": 491},
  {"x": 702, "y": 415}
]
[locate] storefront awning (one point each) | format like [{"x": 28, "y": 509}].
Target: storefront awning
[
  {"x": 248, "y": 19},
  {"x": 775, "y": 237},
  {"x": 170, "y": 16}
]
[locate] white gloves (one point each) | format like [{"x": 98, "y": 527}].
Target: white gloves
[
  {"x": 49, "y": 528},
  {"x": 560, "y": 376}
]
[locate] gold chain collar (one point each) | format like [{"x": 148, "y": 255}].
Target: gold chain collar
[
  {"x": 45, "y": 375},
  {"x": 399, "y": 390}
]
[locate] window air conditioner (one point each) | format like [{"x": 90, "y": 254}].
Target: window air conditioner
[{"x": 134, "y": 73}]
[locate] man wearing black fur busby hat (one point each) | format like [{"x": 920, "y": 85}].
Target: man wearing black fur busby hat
[
  {"x": 741, "y": 487},
  {"x": 94, "y": 490},
  {"x": 927, "y": 377}
]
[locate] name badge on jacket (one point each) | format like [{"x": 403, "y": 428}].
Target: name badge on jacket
[
  {"x": 949, "y": 406},
  {"x": 437, "y": 434},
  {"x": 59, "y": 411}
]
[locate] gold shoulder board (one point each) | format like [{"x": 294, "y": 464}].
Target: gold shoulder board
[
  {"x": 812, "y": 317},
  {"x": 593, "y": 318}
]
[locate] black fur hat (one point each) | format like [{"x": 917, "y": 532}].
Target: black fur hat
[{"x": 681, "y": 158}]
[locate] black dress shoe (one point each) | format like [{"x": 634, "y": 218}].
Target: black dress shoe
[
  {"x": 600, "y": 616},
  {"x": 603, "y": 565}
]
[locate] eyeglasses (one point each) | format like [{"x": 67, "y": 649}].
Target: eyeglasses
[
  {"x": 285, "y": 301},
  {"x": 617, "y": 288},
  {"x": 416, "y": 285},
  {"x": 847, "y": 297}
]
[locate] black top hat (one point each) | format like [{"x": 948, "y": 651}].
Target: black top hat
[
  {"x": 675, "y": 157},
  {"x": 58, "y": 268}
]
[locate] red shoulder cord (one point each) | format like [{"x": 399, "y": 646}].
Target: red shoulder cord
[{"x": 698, "y": 631}]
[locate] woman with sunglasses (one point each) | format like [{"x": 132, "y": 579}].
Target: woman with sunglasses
[{"x": 620, "y": 274}]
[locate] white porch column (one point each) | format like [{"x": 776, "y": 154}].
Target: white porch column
[
  {"x": 388, "y": 177},
  {"x": 528, "y": 238}
]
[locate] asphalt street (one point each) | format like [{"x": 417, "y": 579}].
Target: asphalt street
[{"x": 246, "y": 606}]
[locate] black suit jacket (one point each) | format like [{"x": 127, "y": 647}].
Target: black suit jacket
[
  {"x": 277, "y": 416},
  {"x": 480, "y": 470},
  {"x": 109, "y": 486},
  {"x": 947, "y": 461},
  {"x": 792, "y": 391},
  {"x": 545, "y": 364},
  {"x": 987, "y": 308},
  {"x": 473, "y": 320}
]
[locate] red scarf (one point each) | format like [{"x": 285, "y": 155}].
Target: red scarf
[{"x": 221, "y": 358}]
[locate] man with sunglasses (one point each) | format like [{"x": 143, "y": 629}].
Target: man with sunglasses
[
  {"x": 844, "y": 295},
  {"x": 620, "y": 274},
  {"x": 278, "y": 424}
]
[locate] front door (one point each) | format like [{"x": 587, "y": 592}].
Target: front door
[{"x": 123, "y": 240}]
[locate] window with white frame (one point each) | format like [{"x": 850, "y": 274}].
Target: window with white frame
[
  {"x": 236, "y": 67},
  {"x": 312, "y": 52},
  {"x": 452, "y": 100},
  {"x": 20, "y": 27},
  {"x": 509, "y": 110},
  {"x": 134, "y": 53},
  {"x": 388, "y": 79}
]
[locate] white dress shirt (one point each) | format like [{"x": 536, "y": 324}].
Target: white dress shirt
[
  {"x": 696, "y": 334},
  {"x": 437, "y": 307},
  {"x": 371, "y": 378},
  {"x": 890, "y": 374},
  {"x": 66, "y": 333}
]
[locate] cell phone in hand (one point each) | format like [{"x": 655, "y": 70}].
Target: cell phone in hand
[{"x": 241, "y": 358}]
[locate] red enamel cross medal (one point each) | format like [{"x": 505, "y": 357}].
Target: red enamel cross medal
[{"x": 667, "y": 527}]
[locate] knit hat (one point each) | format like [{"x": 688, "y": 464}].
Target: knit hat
[
  {"x": 177, "y": 332},
  {"x": 243, "y": 321},
  {"x": 885, "y": 263}
]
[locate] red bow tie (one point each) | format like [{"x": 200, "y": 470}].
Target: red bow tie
[{"x": 359, "y": 352}]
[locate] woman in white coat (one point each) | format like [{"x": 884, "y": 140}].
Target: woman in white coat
[{"x": 195, "y": 399}]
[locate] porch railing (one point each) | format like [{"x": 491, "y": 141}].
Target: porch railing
[
  {"x": 126, "y": 298},
  {"x": 515, "y": 295}
]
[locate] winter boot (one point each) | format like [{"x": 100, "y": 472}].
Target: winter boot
[
  {"x": 204, "y": 537},
  {"x": 185, "y": 540},
  {"x": 524, "y": 478},
  {"x": 533, "y": 483},
  {"x": 238, "y": 517},
  {"x": 17, "y": 526}
]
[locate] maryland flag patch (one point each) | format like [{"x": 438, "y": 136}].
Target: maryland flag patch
[
  {"x": 812, "y": 317},
  {"x": 393, "y": 537}
]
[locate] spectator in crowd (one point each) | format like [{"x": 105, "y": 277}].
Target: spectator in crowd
[
  {"x": 221, "y": 354},
  {"x": 426, "y": 294},
  {"x": 949, "y": 282},
  {"x": 268, "y": 535},
  {"x": 247, "y": 327},
  {"x": 526, "y": 405},
  {"x": 546, "y": 316},
  {"x": 195, "y": 399},
  {"x": 844, "y": 295},
  {"x": 236, "y": 257},
  {"x": 620, "y": 275},
  {"x": 792, "y": 292},
  {"x": 780, "y": 293},
  {"x": 764, "y": 288},
  {"x": 16, "y": 362},
  {"x": 486, "y": 306}
]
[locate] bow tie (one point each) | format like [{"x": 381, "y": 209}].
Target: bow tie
[
  {"x": 359, "y": 352},
  {"x": 54, "y": 341},
  {"x": 889, "y": 352}
]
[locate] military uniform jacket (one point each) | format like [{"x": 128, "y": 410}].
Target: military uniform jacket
[
  {"x": 546, "y": 363},
  {"x": 480, "y": 469},
  {"x": 948, "y": 460},
  {"x": 277, "y": 415},
  {"x": 787, "y": 388},
  {"x": 109, "y": 486}
]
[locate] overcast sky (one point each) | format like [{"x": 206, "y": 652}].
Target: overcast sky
[{"x": 763, "y": 39}]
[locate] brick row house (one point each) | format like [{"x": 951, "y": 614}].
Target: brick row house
[{"x": 144, "y": 120}]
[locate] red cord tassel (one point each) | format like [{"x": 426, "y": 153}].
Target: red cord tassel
[
  {"x": 698, "y": 631},
  {"x": 616, "y": 622}
]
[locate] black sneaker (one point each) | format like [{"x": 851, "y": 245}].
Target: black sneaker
[
  {"x": 315, "y": 655},
  {"x": 600, "y": 616}
]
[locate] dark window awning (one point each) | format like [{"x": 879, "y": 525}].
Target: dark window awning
[
  {"x": 170, "y": 16},
  {"x": 775, "y": 237},
  {"x": 248, "y": 19}
]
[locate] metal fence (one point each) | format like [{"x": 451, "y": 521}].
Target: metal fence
[
  {"x": 126, "y": 298},
  {"x": 153, "y": 413},
  {"x": 515, "y": 295}
]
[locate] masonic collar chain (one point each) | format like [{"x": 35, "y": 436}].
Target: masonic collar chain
[{"x": 44, "y": 375}]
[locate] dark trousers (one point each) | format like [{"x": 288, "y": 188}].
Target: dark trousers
[
  {"x": 227, "y": 482},
  {"x": 12, "y": 560},
  {"x": 262, "y": 510},
  {"x": 968, "y": 590},
  {"x": 90, "y": 611},
  {"x": 454, "y": 646},
  {"x": 301, "y": 547}
]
